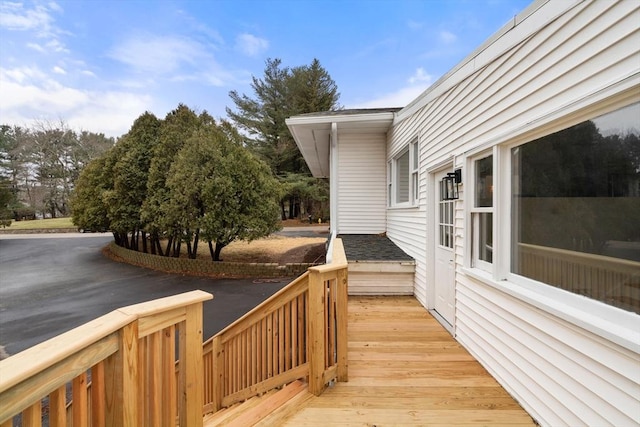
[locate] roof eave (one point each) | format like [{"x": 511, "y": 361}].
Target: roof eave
[{"x": 309, "y": 133}]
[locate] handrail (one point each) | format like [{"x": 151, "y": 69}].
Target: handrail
[
  {"x": 129, "y": 353},
  {"x": 123, "y": 371},
  {"x": 298, "y": 332}
]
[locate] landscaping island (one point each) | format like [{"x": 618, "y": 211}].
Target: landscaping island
[{"x": 273, "y": 256}]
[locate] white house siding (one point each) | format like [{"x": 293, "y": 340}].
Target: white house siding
[
  {"x": 369, "y": 280},
  {"x": 406, "y": 226},
  {"x": 406, "y": 229},
  {"x": 565, "y": 57},
  {"x": 561, "y": 374},
  {"x": 361, "y": 184}
]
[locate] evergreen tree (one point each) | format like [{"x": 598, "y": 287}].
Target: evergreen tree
[
  {"x": 282, "y": 93},
  {"x": 130, "y": 174},
  {"x": 176, "y": 128},
  {"x": 220, "y": 192}
]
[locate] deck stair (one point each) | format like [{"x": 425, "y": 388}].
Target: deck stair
[{"x": 269, "y": 409}]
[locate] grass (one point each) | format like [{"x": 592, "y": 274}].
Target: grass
[
  {"x": 41, "y": 224},
  {"x": 276, "y": 249}
]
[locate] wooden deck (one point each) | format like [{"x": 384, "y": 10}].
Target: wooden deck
[{"x": 404, "y": 369}]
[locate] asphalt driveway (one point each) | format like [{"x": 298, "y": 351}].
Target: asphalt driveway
[{"x": 50, "y": 284}]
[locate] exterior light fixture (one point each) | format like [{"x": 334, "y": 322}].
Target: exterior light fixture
[{"x": 450, "y": 185}]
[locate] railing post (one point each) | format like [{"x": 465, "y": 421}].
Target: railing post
[
  {"x": 217, "y": 372},
  {"x": 342, "y": 315},
  {"x": 316, "y": 332},
  {"x": 121, "y": 380},
  {"x": 190, "y": 389}
]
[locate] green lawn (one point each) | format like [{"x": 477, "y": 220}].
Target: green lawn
[{"x": 41, "y": 224}]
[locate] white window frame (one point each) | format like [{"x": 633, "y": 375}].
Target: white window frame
[
  {"x": 414, "y": 170},
  {"x": 609, "y": 322},
  {"x": 389, "y": 183},
  {"x": 413, "y": 177},
  {"x": 475, "y": 213}
]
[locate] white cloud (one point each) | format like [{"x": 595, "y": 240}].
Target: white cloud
[
  {"x": 158, "y": 54},
  {"x": 31, "y": 95},
  {"x": 251, "y": 45},
  {"x": 420, "y": 76},
  {"x": 401, "y": 97},
  {"x": 55, "y": 45},
  {"x": 59, "y": 70},
  {"x": 415, "y": 25},
  {"x": 36, "y": 47},
  {"x": 172, "y": 58},
  {"x": 111, "y": 113},
  {"x": 447, "y": 37},
  {"x": 14, "y": 16},
  {"x": 54, "y": 6},
  {"x": 38, "y": 20}
]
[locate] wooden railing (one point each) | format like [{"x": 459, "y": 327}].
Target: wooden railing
[
  {"x": 300, "y": 332},
  {"x": 121, "y": 369},
  {"x": 612, "y": 280},
  {"x": 118, "y": 370}
]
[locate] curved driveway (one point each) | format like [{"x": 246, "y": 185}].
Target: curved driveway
[{"x": 50, "y": 284}]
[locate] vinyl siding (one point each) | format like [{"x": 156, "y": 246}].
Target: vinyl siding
[
  {"x": 362, "y": 283},
  {"x": 565, "y": 58},
  {"x": 546, "y": 361},
  {"x": 362, "y": 189}
]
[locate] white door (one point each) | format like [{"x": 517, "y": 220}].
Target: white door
[{"x": 444, "y": 262}]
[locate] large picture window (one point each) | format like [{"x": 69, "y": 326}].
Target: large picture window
[{"x": 576, "y": 209}]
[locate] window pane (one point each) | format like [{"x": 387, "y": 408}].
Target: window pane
[
  {"x": 402, "y": 178},
  {"x": 485, "y": 232},
  {"x": 484, "y": 182},
  {"x": 576, "y": 209}
]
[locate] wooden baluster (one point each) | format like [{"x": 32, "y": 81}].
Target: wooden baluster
[
  {"x": 155, "y": 380},
  {"x": 143, "y": 380},
  {"x": 168, "y": 401},
  {"x": 287, "y": 334},
  {"x": 97, "y": 395},
  {"x": 218, "y": 376},
  {"x": 58, "y": 408},
  {"x": 79, "y": 398},
  {"x": 254, "y": 354},
  {"x": 294, "y": 333},
  {"x": 191, "y": 401},
  {"x": 302, "y": 327},
  {"x": 121, "y": 385},
  {"x": 32, "y": 416},
  {"x": 281, "y": 340}
]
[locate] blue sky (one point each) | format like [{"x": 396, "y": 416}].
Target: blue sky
[{"x": 98, "y": 65}]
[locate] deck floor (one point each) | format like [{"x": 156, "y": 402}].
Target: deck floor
[{"x": 405, "y": 369}]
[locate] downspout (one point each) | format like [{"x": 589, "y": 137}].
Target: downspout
[{"x": 333, "y": 190}]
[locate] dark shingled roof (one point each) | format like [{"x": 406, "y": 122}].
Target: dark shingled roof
[{"x": 372, "y": 247}]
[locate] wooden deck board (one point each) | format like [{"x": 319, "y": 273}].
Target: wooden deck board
[{"x": 405, "y": 369}]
